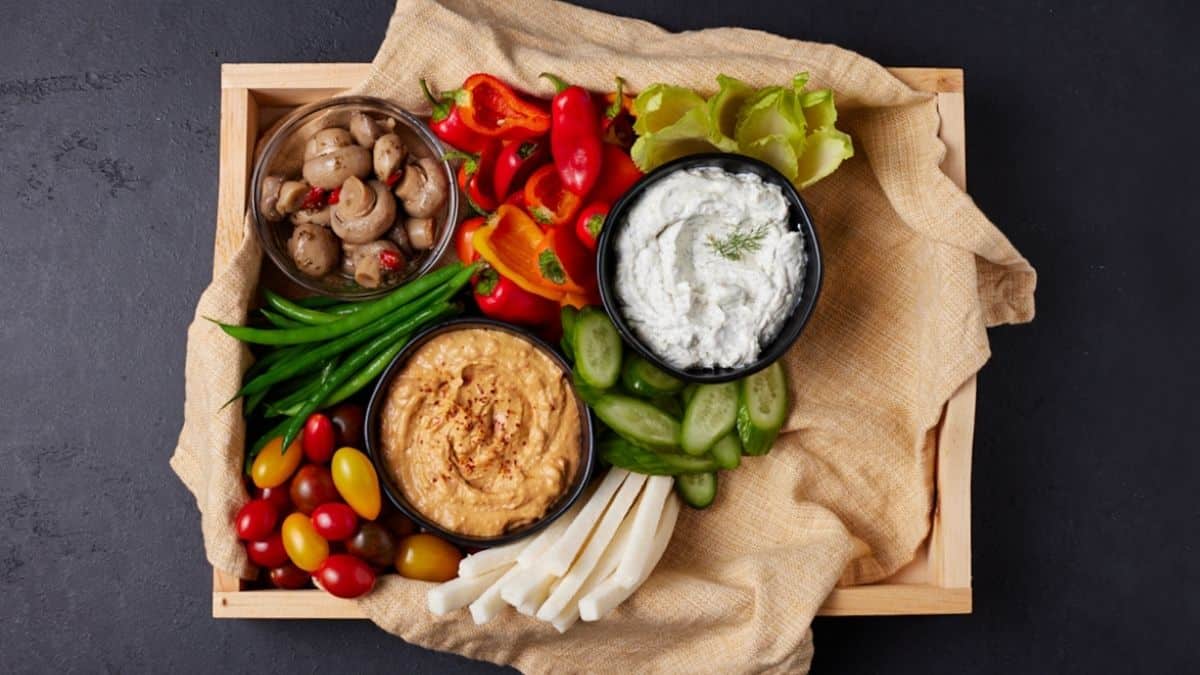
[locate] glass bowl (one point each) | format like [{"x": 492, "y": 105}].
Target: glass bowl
[{"x": 283, "y": 155}]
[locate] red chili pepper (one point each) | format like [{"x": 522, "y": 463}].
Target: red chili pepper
[
  {"x": 475, "y": 177},
  {"x": 447, "y": 123},
  {"x": 517, "y": 199},
  {"x": 575, "y": 136},
  {"x": 618, "y": 175},
  {"x": 334, "y": 196},
  {"x": 463, "y": 245},
  {"x": 499, "y": 298},
  {"x": 548, "y": 201},
  {"x": 315, "y": 199},
  {"x": 516, "y": 161},
  {"x": 491, "y": 108},
  {"x": 616, "y": 125},
  {"x": 589, "y": 222}
]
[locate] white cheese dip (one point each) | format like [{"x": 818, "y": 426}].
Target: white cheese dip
[{"x": 708, "y": 267}]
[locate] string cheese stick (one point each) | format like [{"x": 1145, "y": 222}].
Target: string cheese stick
[
  {"x": 611, "y": 593},
  {"x": 460, "y": 592},
  {"x": 489, "y": 604},
  {"x": 491, "y": 559},
  {"x": 560, "y": 556},
  {"x": 645, "y": 523},
  {"x": 596, "y": 545}
]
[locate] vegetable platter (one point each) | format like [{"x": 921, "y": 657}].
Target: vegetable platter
[{"x": 938, "y": 581}]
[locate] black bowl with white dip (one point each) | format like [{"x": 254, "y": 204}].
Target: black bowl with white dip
[{"x": 710, "y": 266}]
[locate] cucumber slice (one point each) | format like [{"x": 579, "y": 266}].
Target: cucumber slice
[
  {"x": 669, "y": 405},
  {"x": 710, "y": 414},
  {"x": 698, "y": 490},
  {"x": 569, "y": 316},
  {"x": 621, "y": 453},
  {"x": 688, "y": 392},
  {"x": 645, "y": 379},
  {"x": 587, "y": 392},
  {"x": 597, "y": 348},
  {"x": 727, "y": 452},
  {"x": 638, "y": 421},
  {"x": 762, "y": 409}
]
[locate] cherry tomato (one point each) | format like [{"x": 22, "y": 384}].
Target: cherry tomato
[
  {"x": 374, "y": 544},
  {"x": 290, "y": 577},
  {"x": 317, "y": 438},
  {"x": 278, "y": 496},
  {"x": 427, "y": 557},
  {"x": 399, "y": 524},
  {"x": 256, "y": 520},
  {"x": 312, "y": 487},
  {"x": 273, "y": 466},
  {"x": 268, "y": 552},
  {"x": 463, "y": 245},
  {"x": 335, "y": 521},
  {"x": 304, "y": 546},
  {"x": 357, "y": 482},
  {"x": 347, "y": 421},
  {"x": 345, "y": 576}
]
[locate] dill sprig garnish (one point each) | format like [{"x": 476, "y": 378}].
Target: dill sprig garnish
[{"x": 739, "y": 242}]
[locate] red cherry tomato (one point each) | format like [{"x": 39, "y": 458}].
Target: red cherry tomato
[
  {"x": 335, "y": 521},
  {"x": 278, "y": 496},
  {"x": 317, "y": 438},
  {"x": 345, "y": 576},
  {"x": 256, "y": 520},
  {"x": 290, "y": 577},
  {"x": 347, "y": 421},
  {"x": 268, "y": 552},
  {"x": 311, "y": 487}
]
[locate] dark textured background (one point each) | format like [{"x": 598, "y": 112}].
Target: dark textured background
[{"x": 1081, "y": 126}]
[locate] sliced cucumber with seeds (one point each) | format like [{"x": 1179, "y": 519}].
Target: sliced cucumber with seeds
[
  {"x": 762, "y": 409},
  {"x": 698, "y": 490},
  {"x": 569, "y": 316},
  {"x": 587, "y": 392},
  {"x": 688, "y": 392},
  {"x": 669, "y": 405},
  {"x": 727, "y": 452},
  {"x": 638, "y": 421},
  {"x": 710, "y": 414},
  {"x": 647, "y": 380},
  {"x": 597, "y": 348}
]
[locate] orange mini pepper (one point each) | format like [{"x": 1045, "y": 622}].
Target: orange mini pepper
[
  {"x": 515, "y": 246},
  {"x": 492, "y": 109},
  {"x": 548, "y": 200}
]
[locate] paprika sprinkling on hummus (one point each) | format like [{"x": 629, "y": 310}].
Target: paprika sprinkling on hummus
[{"x": 481, "y": 431}]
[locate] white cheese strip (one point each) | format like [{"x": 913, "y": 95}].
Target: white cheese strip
[
  {"x": 492, "y": 559},
  {"x": 596, "y": 545},
  {"x": 611, "y": 592},
  {"x": 460, "y": 592},
  {"x": 560, "y": 556},
  {"x": 645, "y": 524}
]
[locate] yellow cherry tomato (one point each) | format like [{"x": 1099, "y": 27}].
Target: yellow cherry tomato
[
  {"x": 273, "y": 467},
  {"x": 356, "y": 481},
  {"x": 304, "y": 546},
  {"x": 427, "y": 557}
]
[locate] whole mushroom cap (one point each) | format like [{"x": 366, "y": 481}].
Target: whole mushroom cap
[
  {"x": 268, "y": 199},
  {"x": 364, "y": 128},
  {"x": 423, "y": 188},
  {"x": 314, "y": 249},
  {"x": 331, "y": 156},
  {"x": 364, "y": 211}
]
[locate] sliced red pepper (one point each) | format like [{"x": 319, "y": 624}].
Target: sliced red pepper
[
  {"x": 463, "y": 245},
  {"x": 334, "y": 196},
  {"x": 500, "y": 298},
  {"x": 547, "y": 200},
  {"x": 390, "y": 260},
  {"x": 516, "y": 161},
  {"x": 447, "y": 123},
  {"x": 315, "y": 199},
  {"x": 393, "y": 179},
  {"x": 618, "y": 175},
  {"x": 589, "y": 222},
  {"x": 491, "y": 108},
  {"x": 475, "y": 177},
  {"x": 575, "y": 136}
]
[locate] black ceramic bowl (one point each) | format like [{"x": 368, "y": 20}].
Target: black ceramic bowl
[
  {"x": 375, "y": 451},
  {"x": 798, "y": 313}
]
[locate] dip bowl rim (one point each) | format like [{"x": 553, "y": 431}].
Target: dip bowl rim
[
  {"x": 372, "y": 440},
  {"x": 800, "y": 310}
]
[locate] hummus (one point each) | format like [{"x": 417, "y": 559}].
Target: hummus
[
  {"x": 708, "y": 267},
  {"x": 481, "y": 432}
]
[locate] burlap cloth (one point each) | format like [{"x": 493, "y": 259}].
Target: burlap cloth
[{"x": 914, "y": 274}]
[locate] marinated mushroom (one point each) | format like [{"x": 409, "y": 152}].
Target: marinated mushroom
[
  {"x": 364, "y": 211},
  {"x": 330, "y": 157},
  {"x": 423, "y": 187},
  {"x": 321, "y": 216},
  {"x": 399, "y": 236},
  {"x": 375, "y": 262},
  {"x": 420, "y": 232},
  {"x": 364, "y": 129},
  {"x": 314, "y": 249},
  {"x": 291, "y": 196},
  {"x": 390, "y": 154},
  {"x": 268, "y": 200}
]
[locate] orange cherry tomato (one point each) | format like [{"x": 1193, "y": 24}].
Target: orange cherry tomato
[
  {"x": 427, "y": 557},
  {"x": 356, "y": 481},
  {"x": 273, "y": 466},
  {"x": 304, "y": 546}
]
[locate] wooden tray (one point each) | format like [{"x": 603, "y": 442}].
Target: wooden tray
[{"x": 938, "y": 581}]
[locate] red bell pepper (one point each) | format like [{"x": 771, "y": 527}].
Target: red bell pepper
[
  {"x": 619, "y": 174},
  {"x": 547, "y": 200},
  {"x": 447, "y": 123},
  {"x": 315, "y": 199},
  {"x": 475, "y": 177},
  {"x": 575, "y": 137},
  {"x": 516, "y": 161},
  {"x": 500, "y": 298},
  {"x": 463, "y": 245},
  {"x": 491, "y": 108},
  {"x": 589, "y": 222}
]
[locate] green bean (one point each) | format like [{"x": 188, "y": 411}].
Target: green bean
[
  {"x": 279, "y": 320},
  {"x": 364, "y": 376},
  {"x": 253, "y": 401},
  {"x": 350, "y": 322},
  {"x": 353, "y": 363},
  {"x": 304, "y": 315},
  {"x": 272, "y": 357},
  {"x": 318, "y": 302},
  {"x": 280, "y": 407}
]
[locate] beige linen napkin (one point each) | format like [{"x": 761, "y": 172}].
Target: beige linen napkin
[{"x": 914, "y": 274}]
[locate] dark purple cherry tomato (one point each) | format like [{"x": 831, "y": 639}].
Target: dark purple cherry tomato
[
  {"x": 335, "y": 521},
  {"x": 256, "y": 520},
  {"x": 317, "y": 439},
  {"x": 313, "y": 486},
  {"x": 347, "y": 421},
  {"x": 278, "y": 496},
  {"x": 345, "y": 576},
  {"x": 289, "y": 576},
  {"x": 268, "y": 552},
  {"x": 374, "y": 544},
  {"x": 399, "y": 524}
]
